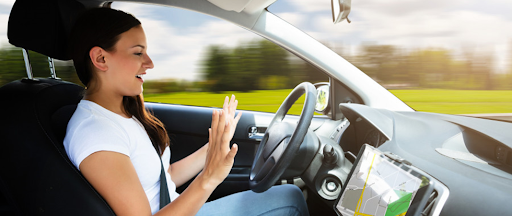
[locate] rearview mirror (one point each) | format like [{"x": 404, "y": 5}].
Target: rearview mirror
[{"x": 340, "y": 10}]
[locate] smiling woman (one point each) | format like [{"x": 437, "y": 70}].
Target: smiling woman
[
  {"x": 108, "y": 57},
  {"x": 115, "y": 166},
  {"x": 111, "y": 137}
]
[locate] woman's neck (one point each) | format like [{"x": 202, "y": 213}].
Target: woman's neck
[{"x": 108, "y": 101}]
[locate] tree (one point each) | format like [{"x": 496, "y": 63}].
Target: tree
[
  {"x": 479, "y": 70},
  {"x": 216, "y": 68},
  {"x": 380, "y": 61},
  {"x": 249, "y": 66},
  {"x": 430, "y": 67}
]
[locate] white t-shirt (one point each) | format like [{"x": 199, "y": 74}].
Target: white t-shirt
[{"x": 93, "y": 128}]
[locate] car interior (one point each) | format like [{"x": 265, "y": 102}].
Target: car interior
[
  {"x": 464, "y": 161},
  {"x": 37, "y": 178}
]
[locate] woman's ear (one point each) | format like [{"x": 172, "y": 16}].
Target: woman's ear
[{"x": 97, "y": 55}]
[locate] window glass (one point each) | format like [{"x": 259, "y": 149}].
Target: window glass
[
  {"x": 458, "y": 61},
  {"x": 200, "y": 59},
  {"x": 12, "y": 65}
]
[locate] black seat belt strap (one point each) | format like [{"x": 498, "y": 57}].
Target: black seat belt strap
[{"x": 164, "y": 190}]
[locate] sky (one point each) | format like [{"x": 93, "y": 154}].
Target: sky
[{"x": 177, "y": 38}]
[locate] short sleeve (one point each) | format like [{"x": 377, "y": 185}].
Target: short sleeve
[{"x": 94, "y": 134}]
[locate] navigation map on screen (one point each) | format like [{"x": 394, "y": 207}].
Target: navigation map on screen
[{"x": 378, "y": 186}]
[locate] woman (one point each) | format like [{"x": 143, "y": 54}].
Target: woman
[{"x": 117, "y": 145}]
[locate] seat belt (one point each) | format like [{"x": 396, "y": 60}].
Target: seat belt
[{"x": 164, "y": 190}]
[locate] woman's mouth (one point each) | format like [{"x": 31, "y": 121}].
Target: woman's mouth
[{"x": 139, "y": 76}]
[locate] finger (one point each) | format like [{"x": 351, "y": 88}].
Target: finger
[
  {"x": 226, "y": 137},
  {"x": 232, "y": 110},
  {"x": 226, "y": 103},
  {"x": 235, "y": 123},
  {"x": 215, "y": 122},
  {"x": 235, "y": 106},
  {"x": 232, "y": 106},
  {"x": 208, "y": 150},
  {"x": 209, "y": 138},
  {"x": 225, "y": 108},
  {"x": 232, "y": 99},
  {"x": 237, "y": 118},
  {"x": 232, "y": 153},
  {"x": 220, "y": 130}
]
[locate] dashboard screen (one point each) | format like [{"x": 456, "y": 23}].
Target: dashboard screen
[{"x": 378, "y": 185}]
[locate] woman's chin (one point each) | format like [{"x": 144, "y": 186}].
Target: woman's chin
[
  {"x": 133, "y": 93},
  {"x": 140, "y": 91}
]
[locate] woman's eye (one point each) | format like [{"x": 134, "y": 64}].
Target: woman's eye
[{"x": 138, "y": 54}]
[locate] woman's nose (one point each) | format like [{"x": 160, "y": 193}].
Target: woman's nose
[{"x": 148, "y": 63}]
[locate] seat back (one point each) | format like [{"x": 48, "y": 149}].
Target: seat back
[{"x": 36, "y": 176}]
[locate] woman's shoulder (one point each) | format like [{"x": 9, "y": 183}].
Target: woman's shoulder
[
  {"x": 89, "y": 131},
  {"x": 90, "y": 124},
  {"x": 88, "y": 116}
]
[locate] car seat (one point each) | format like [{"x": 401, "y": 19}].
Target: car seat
[{"x": 36, "y": 176}]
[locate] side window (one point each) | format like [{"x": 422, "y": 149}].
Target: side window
[
  {"x": 12, "y": 65},
  {"x": 200, "y": 59}
]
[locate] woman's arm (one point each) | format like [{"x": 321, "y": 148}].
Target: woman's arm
[
  {"x": 185, "y": 169},
  {"x": 112, "y": 174},
  {"x": 114, "y": 177}
]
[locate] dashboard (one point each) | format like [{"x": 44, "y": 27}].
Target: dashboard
[{"x": 466, "y": 157}]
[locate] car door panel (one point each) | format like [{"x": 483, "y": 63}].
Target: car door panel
[{"x": 188, "y": 130}]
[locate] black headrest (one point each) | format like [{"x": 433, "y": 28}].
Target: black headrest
[{"x": 43, "y": 25}]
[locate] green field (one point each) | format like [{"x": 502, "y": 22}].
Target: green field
[
  {"x": 457, "y": 101},
  {"x": 427, "y": 100}
]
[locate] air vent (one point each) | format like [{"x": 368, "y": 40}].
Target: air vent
[{"x": 430, "y": 204}]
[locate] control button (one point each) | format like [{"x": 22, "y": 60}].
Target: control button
[{"x": 331, "y": 186}]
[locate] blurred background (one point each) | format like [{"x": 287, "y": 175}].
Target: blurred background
[{"x": 450, "y": 57}]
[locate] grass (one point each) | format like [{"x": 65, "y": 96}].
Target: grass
[
  {"x": 261, "y": 100},
  {"x": 457, "y": 101},
  {"x": 426, "y": 100}
]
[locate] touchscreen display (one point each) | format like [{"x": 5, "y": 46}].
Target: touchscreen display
[{"x": 379, "y": 186}]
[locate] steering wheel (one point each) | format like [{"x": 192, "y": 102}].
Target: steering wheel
[{"x": 282, "y": 140}]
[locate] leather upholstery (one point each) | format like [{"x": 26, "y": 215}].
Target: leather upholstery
[
  {"x": 36, "y": 176},
  {"x": 43, "y": 26}
]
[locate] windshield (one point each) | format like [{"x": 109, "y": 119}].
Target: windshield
[{"x": 448, "y": 57}]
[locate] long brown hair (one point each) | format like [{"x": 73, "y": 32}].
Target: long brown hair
[
  {"x": 134, "y": 105},
  {"x": 102, "y": 27}
]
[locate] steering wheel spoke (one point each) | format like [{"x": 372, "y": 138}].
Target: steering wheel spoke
[{"x": 276, "y": 134}]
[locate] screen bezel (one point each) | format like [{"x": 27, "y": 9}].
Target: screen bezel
[{"x": 419, "y": 200}]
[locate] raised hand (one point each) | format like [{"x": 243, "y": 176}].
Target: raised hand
[{"x": 220, "y": 157}]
